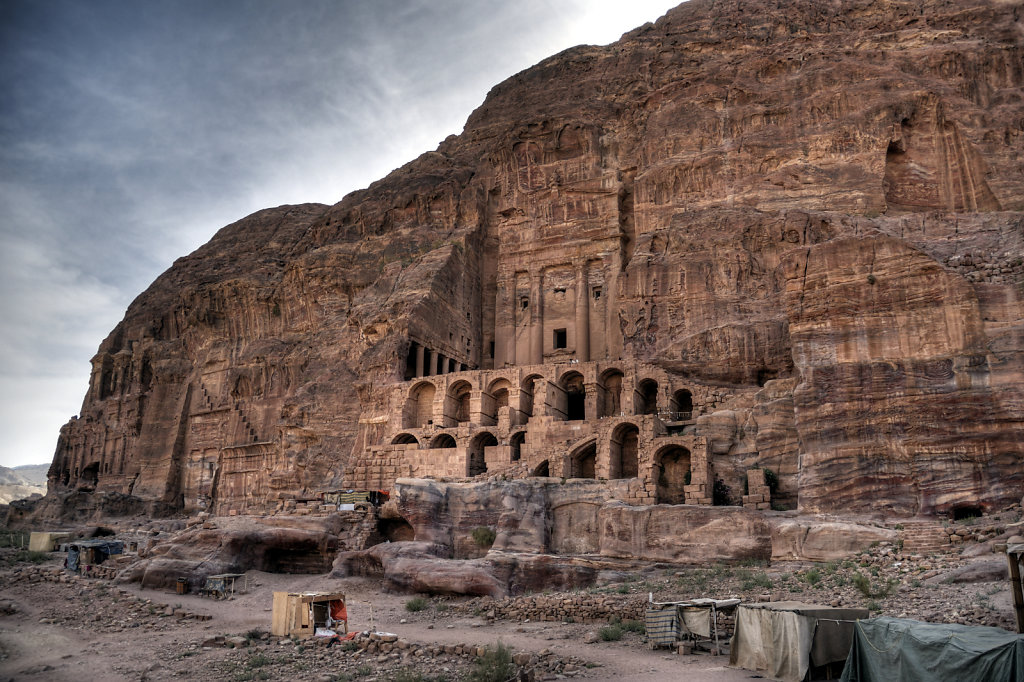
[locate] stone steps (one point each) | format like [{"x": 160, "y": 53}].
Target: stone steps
[{"x": 924, "y": 538}]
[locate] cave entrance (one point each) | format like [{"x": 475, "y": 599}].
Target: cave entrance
[
  {"x": 298, "y": 560},
  {"x": 396, "y": 530},
  {"x": 967, "y": 512},
  {"x": 673, "y": 471},
  {"x": 90, "y": 476}
]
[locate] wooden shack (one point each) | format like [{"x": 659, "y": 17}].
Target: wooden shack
[{"x": 301, "y": 614}]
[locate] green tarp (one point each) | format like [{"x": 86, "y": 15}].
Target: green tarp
[{"x": 900, "y": 650}]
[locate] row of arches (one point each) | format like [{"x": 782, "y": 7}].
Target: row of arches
[
  {"x": 476, "y": 453},
  {"x": 671, "y": 465},
  {"x": 568, "y": 400}
]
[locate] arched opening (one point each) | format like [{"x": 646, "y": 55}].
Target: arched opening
[
  {"x": 542, "y": 469},
  {"x": 443, "y": 440},
  {"x": 625, "y": 452},
  {"x": 516, "y": 443},
  {"x": 583, "y": 463},
  {"x": 396, "y": 530},
  {"x": 575, "y": 396},
  {"x": 682, "y": 405},
  {"x": 404, "y": 439},
  {"x": 611, "y": 384},
  {"x": 477, "y": 456},
  {"x": 648, "y": 389},
  {"x": 419, "y": 408},
  {"x": 90, "y": 476},
  {"x": 457, "y": 403},
  {"x": 495, "y": 398},
  {"x": 672, "y": 468}
]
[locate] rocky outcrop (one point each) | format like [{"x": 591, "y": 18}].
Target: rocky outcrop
[
  {"x": 809, "y": 212},
  {"x": 240, "y": 544}
]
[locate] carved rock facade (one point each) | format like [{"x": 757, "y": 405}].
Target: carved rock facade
[{"x": 781, "y": 234}]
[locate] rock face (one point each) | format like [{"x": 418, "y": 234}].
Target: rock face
[{"x": 787, "y": 233}]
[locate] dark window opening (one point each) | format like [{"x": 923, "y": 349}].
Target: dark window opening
[
  {"x": 560, "y": 291},
  {"x": 490, "y": 350},
  {"x": 560, "y": 339},
  {"x": 524, "y": 303},
  {"x": 597, "y": 293}
]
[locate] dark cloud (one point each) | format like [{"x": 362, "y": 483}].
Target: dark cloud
[{"x": 131, "y": 131}]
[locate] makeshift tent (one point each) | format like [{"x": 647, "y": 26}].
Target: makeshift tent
[
  {"x": 221, "y": 585},
  {"x": 668, "y": 622},
  {"x": 308, "y": 614},
  {"x": 87, "y": 553},
  {"x": 784, "y": 639},
  {"x": 902, "y": 650}
]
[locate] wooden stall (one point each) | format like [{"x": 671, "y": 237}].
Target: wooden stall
[{"x": 307, "y": 614}]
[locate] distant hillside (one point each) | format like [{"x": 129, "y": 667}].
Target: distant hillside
[
  {"x": 22, "y": 482},
  {"x": 35, "y": 474}
]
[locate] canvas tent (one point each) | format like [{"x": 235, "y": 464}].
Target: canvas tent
[
  {"x": 785, "y": 639},
  {"x": 668, "y": 622},
  {"x": 902, "y": 650},
  {"x": 84, "y": 554}
]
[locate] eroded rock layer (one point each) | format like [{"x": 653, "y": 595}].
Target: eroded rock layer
[{"x": 804, "y": 217}]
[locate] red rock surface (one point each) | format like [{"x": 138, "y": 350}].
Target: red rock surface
[{"x": 807, "y": 212}]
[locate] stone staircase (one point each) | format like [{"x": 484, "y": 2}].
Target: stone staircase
[
  {"x": 924, "y": 537},
  {"x": 250, "y": 433}
]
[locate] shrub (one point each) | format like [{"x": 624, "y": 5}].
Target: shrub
[
  {"x": 495, "y": 665},
  {"x": 611, "y": 633},
  {"x": 258, "y": 660},
  {"x": 863, "y": 585},
  {"x": 813, "y": 576},
  {"x": 484, "y": 536},
  {"x": 721, "y": 494},
  {"x": 752, "y": 581},
  {"x": 634, "y": 626},
  {"x": 416, "y": 604},
  {"x": 31, "y": 557}
]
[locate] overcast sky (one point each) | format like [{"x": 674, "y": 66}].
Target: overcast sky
[{"x": 131, "y": 131}]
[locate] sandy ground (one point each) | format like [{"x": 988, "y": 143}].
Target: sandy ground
[{"x": 85, "y": 629}]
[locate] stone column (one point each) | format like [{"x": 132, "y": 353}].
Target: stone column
[
  {"x": 582, "y": 314},
  {"x": 419, "y": 359},
  {"x": 509, "y": 340},
  {"x": 537, "y": 318},
  {"x": 431, "y": 363}
]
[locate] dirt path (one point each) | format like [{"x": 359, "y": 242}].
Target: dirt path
[{"x": 120, "y": 632}]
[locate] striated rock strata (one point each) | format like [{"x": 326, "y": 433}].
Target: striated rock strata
[{"x": 787, "y": 233}]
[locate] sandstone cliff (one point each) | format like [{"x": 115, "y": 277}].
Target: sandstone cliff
[{"x": 810, "y": 212}]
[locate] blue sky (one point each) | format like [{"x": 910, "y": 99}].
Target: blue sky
[{"x": 130, "y": 132}]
